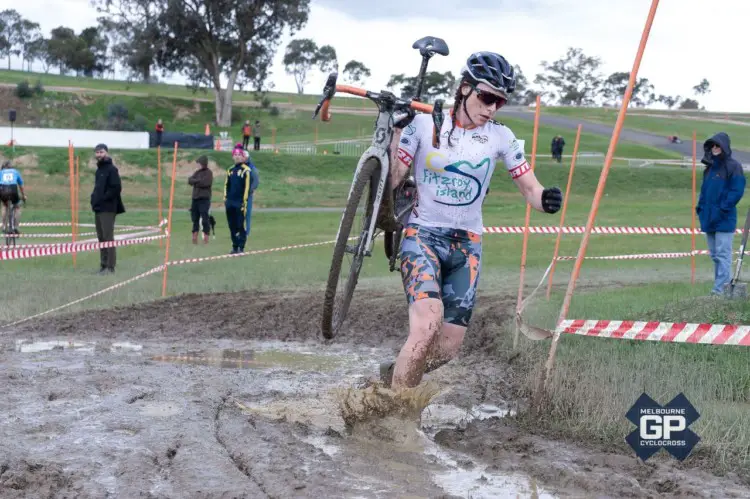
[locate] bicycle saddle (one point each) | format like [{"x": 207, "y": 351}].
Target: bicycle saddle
[{"x": 431, "y": 45}]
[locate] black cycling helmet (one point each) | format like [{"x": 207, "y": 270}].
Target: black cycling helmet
[{"x": 492, "y": 69}]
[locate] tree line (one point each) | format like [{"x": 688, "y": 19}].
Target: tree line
[{"x": 224, "y": 45}]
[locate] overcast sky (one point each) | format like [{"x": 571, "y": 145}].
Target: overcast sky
[{"x": 690, "y": 39}]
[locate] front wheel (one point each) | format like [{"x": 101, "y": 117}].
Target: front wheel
[{"x": 339, "y": 291}]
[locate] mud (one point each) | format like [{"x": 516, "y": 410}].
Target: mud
[{"x": 235, "y": 395}]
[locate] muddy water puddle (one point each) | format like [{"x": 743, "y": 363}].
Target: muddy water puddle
[{"x": 289, "y": 383}]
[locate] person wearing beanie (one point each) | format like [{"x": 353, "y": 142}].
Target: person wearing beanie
[
  {"x": 106, "y": 203},
  {"x": 236, "y": 192},
  {"x": 201, "y": 180}
]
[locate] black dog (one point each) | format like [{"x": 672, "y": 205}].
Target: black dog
[{"x": 212, "y": 221}]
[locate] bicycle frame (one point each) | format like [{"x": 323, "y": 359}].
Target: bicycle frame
[{"x": 380, "y": 150}]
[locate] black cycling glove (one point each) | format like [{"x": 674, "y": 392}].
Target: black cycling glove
[
  {"x": 405, "y": 121},
  {"x": 551, "y": 199}
]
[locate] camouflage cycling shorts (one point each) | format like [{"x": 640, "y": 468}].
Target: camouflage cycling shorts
[{"x": 442, "y": 263}]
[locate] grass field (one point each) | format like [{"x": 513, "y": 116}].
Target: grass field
[
  {"x": 158, "y": 89},
  {"x": 80, "y": 106},
  {"x": 674, "y": 123},
  {"x": 597, "y": 379}
]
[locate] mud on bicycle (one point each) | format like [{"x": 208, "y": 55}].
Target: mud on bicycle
[{"x": 382, "y": 209}]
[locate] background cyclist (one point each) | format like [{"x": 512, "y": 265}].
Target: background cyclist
[
  {"x": 442, "y": 246},
  {"x": 10, "y": 183}
]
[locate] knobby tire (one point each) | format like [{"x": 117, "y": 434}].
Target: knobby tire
[{"x": 332, "y": 318}]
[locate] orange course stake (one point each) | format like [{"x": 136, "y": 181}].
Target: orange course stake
[
  {"x": 169, "y": 222},
  {"x": 545, "y": 374},
  {"x": 158, "y": 186},
  {"x": 692, "y": 226},
  {"x": 71, "y": 177},
  {"x": 527, "y": 219},
  {"x": 564, "y": 208}
]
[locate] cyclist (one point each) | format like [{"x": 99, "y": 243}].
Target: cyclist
[
  {"x": 442, "y": 246},
  {"x": 10, "y": 182}
]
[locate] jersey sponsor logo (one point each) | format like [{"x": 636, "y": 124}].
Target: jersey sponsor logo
[
  {"x": 453, "y": 185},
  {"x": 519, "y": 170},
  {"x": 405, "y": 141},
  {"x": 514, "y": 145},
  {"x": 405, "y": 157},
  {"x": 410, "y": 130},
  {"x": 482, "y": 139},
  {"x": 9, "y": 178},
  {"x": 519, "y": 155}
]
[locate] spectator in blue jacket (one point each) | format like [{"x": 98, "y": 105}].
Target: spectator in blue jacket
[
  {"x": 254, "y": 181},
  {"x": 722, "y": 188},
  {"x": 236, "y": 193}
]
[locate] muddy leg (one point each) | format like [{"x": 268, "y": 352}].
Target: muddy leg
[
  {"x": 446, "y": 346},
  {"x": 425, "y": 320}
]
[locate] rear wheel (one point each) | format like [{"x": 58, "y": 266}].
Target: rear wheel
[{"x": 341, "y": 282}]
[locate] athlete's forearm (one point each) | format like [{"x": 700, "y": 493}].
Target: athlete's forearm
[
  {"x": 531, "y": 189},
  {"x": 398, "y": 168}
]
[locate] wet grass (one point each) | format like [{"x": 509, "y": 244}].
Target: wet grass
[{"x": 597, "y": 380}]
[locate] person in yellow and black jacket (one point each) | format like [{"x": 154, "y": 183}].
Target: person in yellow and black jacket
[{"x": 236, "y": 193}]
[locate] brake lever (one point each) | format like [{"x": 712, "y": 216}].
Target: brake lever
[
  {"x": 328, "y": 92},
  {"x": 437, "y": 119}
]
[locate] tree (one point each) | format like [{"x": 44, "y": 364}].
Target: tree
[
  {"x": 11, "y": 36},
  {"x": 689, "y": 104},
  {"x": 356, "y": 72},
  {"x": 327, "y": 60},
  {"x": 300, "y": 57},
  {"x": 91, "y": 57},
  {"x": 233, "y": 39},
  {"x": 669, "y": 100},
  {"x": 702, "y": 88},
  {"x": 37, "y": 50},
  {"x": 575, "y": 78},
  {"x": 134, "y": 28},
  {"x": 31, "y": 38},
  {"x": 522, "y": 95},
  {"x": 614, "y": 87},
  {"x": 61, "y": 48},
  {"x": 435, "y": 85}
]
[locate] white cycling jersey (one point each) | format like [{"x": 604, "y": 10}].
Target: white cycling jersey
[{"x": 452, "y": 181}]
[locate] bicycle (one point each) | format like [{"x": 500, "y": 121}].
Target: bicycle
[{"x": 385, "y": 210}]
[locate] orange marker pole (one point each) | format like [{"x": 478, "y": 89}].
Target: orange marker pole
[
  {"x": 599, "y": 192},
  {"x": 158, "y": 186},
  {"x": 169, "y": 222},
  {"x": 527, "y": 219},
  {"x": 692, "y": 215},
  {"x": 77, "y": 198},
  {"x": 71, "y": 176},
  {"x": 564, "y": 208}
]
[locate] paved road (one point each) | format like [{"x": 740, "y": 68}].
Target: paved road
[{"x": 650, "y": 139}]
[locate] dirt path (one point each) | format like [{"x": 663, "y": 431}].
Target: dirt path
[{"x": 234, "y": 395}]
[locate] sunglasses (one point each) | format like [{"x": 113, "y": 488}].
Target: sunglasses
[{"x": 488, "y": 98}]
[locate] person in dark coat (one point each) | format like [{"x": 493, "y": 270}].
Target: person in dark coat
[
  {"x": 236, "y": 193},
  {"x": 201, "y": 180},
  {"x": 106, "y": 203},
  {"x": 722, "y": 188}
]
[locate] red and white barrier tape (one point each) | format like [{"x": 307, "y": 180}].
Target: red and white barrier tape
[
  {"x": 645, "y": 256},
  {"x": 247, "y": 253},
  {"x": 671, "y": 332},
  {"x": 93, "y": 295},
  {"x": 70, "y": 224},
  {"x": 66, "y": 248},
  {"x": 161, "y": 267},
  {"x": 596, "y": 230}
]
